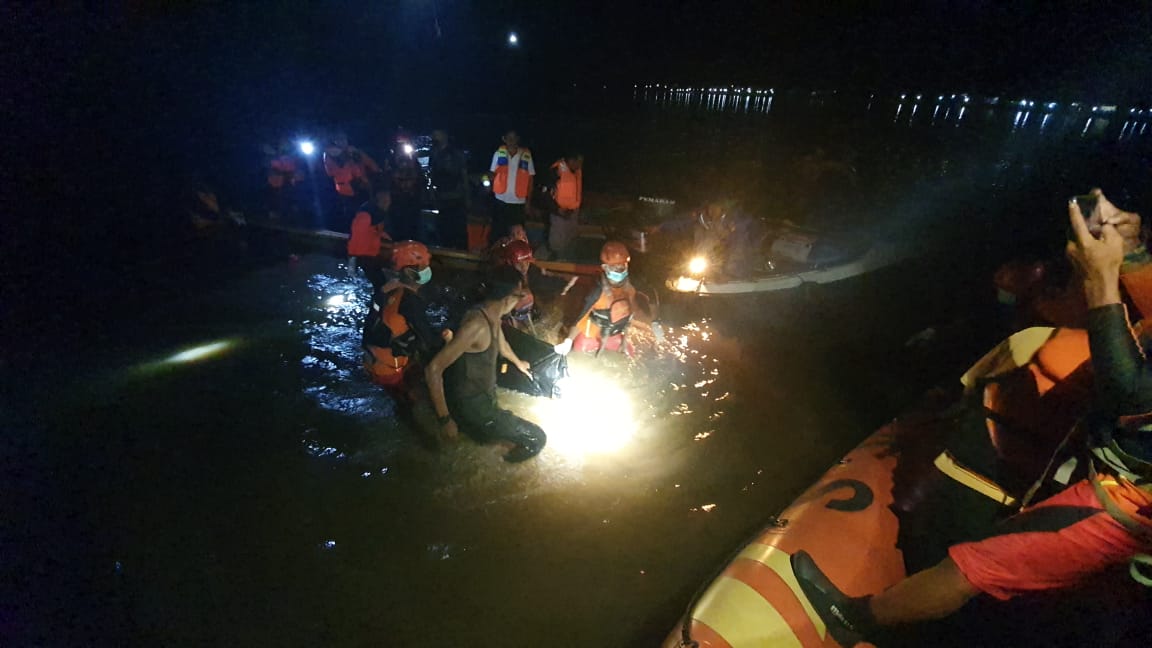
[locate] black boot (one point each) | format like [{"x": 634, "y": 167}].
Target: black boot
[{"x": 849, "y": 619}]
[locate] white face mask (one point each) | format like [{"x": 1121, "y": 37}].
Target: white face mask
[{"x": 424, "y": 276}]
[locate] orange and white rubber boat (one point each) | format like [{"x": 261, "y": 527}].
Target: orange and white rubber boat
[
  {"x": 847, "y": 520},
  {"x": 844, "y": 521}
]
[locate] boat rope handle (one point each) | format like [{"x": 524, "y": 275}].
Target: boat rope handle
[{"x": 1135, "y": 571}]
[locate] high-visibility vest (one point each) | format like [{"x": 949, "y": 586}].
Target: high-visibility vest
[
  {"x": 503, "y": 159},
  {"x": 611, "y": 313},
  {"x": 387, "y": 340},
  {"x": 569, "y": 186}
]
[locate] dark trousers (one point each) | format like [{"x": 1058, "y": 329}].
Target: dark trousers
[
  {"x": 480, "y": 418},
  {"x": 452, "y": 224}
]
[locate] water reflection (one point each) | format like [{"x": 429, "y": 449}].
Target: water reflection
[
  {"x": 620, "y": 419},
  {"x": 950, "y": 109}
]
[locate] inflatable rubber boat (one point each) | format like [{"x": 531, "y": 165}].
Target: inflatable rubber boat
[{"x": 878, "y": 515}]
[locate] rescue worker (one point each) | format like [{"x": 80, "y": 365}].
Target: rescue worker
[
  {"x": 727, "y": 238},
  {"x": 518, "y": 254},
  {"x": 397, "y": 333},
  {"x": 369, "y": 240},
  {"x": 513, "y": 177},
  {"x": 448, "y": 168},
  {"x": 468, "y": 401},
  {"x": 352, "y": 171},
  {"x": 1099, "y": 522},
  {"x": 610, "y": 308},
  {"x": 567, "y": 195}
]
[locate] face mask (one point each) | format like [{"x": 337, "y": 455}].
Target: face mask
[
  {"x": 424, "y": 276},
  {"x": 616, "y": 277}
]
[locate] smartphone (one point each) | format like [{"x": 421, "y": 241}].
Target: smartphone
[{"x": 1087, "y": 205}]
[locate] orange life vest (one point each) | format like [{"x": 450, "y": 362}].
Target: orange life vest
[
  {"x": 1030, "y": 408},
  {"x": 503, "y": 159},
  {"x": 364, "y": 238},
  {"x": 1137, "y": 283},
  {"x": 282, "y": 170},
  {"x": 387, "y": 361},
  {"x": 611, "y": 314},
  {"x": 569, "y": 186}
]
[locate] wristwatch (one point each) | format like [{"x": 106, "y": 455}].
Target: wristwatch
[{"x": 443, "y": 420}]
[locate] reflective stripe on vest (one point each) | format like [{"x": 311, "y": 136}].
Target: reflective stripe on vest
[
  {"x": 500, "y": 182},
  {"x": 569, "y": 186}
]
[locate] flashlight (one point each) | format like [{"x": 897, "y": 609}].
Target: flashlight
[
  {"x": 307, "y": 148},
  {"x": 408, "y": 149},
  {"x": 697, "y": 265},
  {"x": 513, "y": 39}
]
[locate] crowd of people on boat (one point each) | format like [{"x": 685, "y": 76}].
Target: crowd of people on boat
[{"x": 428, "y": 176}]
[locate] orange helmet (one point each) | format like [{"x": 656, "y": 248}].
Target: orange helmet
[
  {"x": 516, "y": 251},
  {"x": 614, "y": 253},
  {"x": 410, "y": 253}
]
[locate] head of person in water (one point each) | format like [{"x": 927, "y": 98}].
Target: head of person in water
[
  {"x": 506, "y": 288},
  {"x": 518, "y": 254},
  {"x": 411, "y": 260},
  {"x": 511, "y": 139},
  {"x": 614, "y": 258}
]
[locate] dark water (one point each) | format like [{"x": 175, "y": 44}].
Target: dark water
[{"x": 262, "y": 492}]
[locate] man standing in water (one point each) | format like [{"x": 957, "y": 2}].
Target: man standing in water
[
  {"x": 470, "y": 397},
  {"x": 513, "y": 175}
]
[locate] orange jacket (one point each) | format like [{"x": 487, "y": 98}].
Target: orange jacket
[
  {"x": 345, "y": 170},
  {"x": 364, "y": 240},
  {"x": 282, "y": 170},
  {"x": 569, "y": 186},
  {"x": 500, "y": 182}
]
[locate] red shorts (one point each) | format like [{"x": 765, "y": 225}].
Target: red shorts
[
  {"x": 591, "y": 344},
  {"x": 1052, "y": 545}
]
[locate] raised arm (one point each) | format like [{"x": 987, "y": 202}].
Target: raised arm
[{"x": 1123, "y": 377}]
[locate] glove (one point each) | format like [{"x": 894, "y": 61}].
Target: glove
[
  {"x": 658, "y": 331},
  {"x": 563, "y": 348}
]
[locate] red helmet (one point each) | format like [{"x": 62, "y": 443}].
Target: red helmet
[
  {"x": 410, "y": 253},
  {"x": 614, "y": 253},
  {"x": 516, "y": 251}
]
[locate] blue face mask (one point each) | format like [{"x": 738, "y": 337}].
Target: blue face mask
[
  {"x": 616, "y": 277},
  {"x": 424, "y": 276}
]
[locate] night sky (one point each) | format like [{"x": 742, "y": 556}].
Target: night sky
[{"x": 107, "y": 105}]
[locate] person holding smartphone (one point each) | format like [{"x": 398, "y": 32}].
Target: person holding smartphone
[{"x": 1099, "y": 522}]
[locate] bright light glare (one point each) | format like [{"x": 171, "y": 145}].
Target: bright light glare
[
  {"x": 307, "y": 148},
  {"x": 697, "y": 265},
  {"x": 337, "y": 300},
  {"x": 199, "y": 353},
  {"x": 513, "y": 39},
  {"x": 593, "y": 415},
  {"x": 408, "y": 149},
  {"x": 487, "y": 182}
]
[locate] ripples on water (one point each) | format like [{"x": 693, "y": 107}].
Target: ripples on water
[{"x": 622, "y": 420}]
